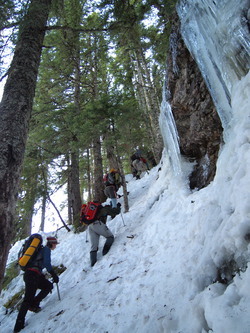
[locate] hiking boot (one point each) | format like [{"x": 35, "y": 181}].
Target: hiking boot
[
  {"x": 19, "y": 325},
  {"x": 17, "y": 330},
  {"x": 35, "y": 309},
  {"x": 93, "y": 258},
  {"x": 107, "y": 245}
]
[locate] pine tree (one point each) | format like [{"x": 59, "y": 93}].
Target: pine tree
[{"x": 15, "y": 112}]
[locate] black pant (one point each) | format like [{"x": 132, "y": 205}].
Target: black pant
[{"x": 33, "y": 281}]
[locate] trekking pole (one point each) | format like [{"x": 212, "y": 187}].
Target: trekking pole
[
  {"x": 58, "y": 293},
  {"x": 86, "y": 237},
  {"x": 123, "y": 220}
]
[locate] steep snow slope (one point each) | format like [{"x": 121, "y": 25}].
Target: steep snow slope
[{"x": 158, "y": 276}]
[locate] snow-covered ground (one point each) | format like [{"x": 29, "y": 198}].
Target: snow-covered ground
[{"x": 159, "y": 274}]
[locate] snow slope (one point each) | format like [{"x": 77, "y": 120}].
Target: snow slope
[{"x": 158, "y": 276}]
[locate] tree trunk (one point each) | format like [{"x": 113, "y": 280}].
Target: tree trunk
[
  {"x": 44, "y": 200},
  {"x": 98, "y": 172},
  {"x": 113, "y": 163},
  {"x": 89, "y": 177},
  {"x": 25, "y": 206},
  {"x": 148, "y": 100},
  {"x": 76, "y": 200},
  {"x": 44, "y": 196},
  {"x": 69, "y": 192},
  {"x": 30, "y": 199},
  {"x": 124, "y": 184},
  {"x": 15, "y": 112}
]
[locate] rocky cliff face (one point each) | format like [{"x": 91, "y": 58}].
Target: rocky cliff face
[{"x": 197, "y": 121}]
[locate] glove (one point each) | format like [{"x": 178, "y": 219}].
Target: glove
[{"x": 54, "y": 276}]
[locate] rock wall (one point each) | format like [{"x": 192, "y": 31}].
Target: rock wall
[{"x": 197, "y": 121}]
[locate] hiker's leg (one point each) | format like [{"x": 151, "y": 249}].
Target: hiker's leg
[
  {"x": 107, "y": 245},
  {"x": 31, "y": 282},
  {"x": 94, "y": 239},
  {"x": 94, "y": 236},
  {"x": 95, "y": 230},
  {"x": 113, "y": 202},
  {"x": 101, "y": 229},
  {"x": 93, "y": 258},
  {"x": 108, "y": 191},
  {"x": 112, "y": 194},
  {"x": 46, "y": 286},
  {"x": 104, "y": 231}
]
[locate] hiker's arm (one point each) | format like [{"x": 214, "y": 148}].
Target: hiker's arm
[
  {"x": 108, "y": 210},
  {"x": 47, "y": 259},
  {"x": 47, "y": 264},
  {"x": 112, "y": 211}
]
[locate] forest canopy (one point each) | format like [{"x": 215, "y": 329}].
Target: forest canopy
[{"x": 97, "y": 96}]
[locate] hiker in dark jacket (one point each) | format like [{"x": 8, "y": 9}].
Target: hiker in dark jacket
[
  {"x": 99, "y": 228},
  {"x": 138, "y": 165},
  {"x": 112, "y": 184},
  {"x": 34, "y": 279}
]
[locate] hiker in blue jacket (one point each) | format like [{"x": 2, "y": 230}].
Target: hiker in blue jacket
[{"x": 34, "y": 279}]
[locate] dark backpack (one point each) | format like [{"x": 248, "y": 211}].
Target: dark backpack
[
  {"x": 112, "y": 178},
  {"x": 29, "y": 251},
  {"x": 89, "y": 212}
]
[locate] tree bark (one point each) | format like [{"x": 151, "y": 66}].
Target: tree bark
[
  {"x": 75, "y": 176},
  {"x": 113, "y": 163},
  {"x": 89, "y": 176},
  {"x": 148, "y": 99},
  {"x": 75, "y": 195},
  {"x": 124, "y": 184},
  {"x": 98, "y": 172},
  {"x": 15, "y": 112},
  {"x": 44, "y": 200},
  {"x": 27, "y": 216}
]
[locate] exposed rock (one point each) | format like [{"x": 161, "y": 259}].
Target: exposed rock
[{"x": 197, "y": 121}]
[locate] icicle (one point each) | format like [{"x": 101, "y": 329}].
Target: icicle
[
  {"x": 169, "y": 131},
  {"x": 216, "y": 33}
]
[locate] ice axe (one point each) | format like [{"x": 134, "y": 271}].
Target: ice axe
[{"x": 58, "y": 293}]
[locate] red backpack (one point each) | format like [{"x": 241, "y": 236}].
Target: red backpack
[{"x": 89, "y": 212}]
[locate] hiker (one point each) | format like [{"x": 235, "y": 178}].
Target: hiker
[
  {"x": 34, "y": 279},
  {"x": 138, "y": 165},
  {"x": 99, "y": 228},
  {"x": 112, "y": 181}
]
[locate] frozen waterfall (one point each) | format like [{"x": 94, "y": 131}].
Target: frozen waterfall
[
  {"x": 169, "y": 132},
  {"x": 216, "y": 33}
]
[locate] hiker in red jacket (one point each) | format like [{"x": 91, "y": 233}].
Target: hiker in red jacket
[{"x": 99, "y": 228}]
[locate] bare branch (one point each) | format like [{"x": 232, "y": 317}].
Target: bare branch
[
  {"x": 59, "y": 27},
  {"x": 65, "y": 225}
]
